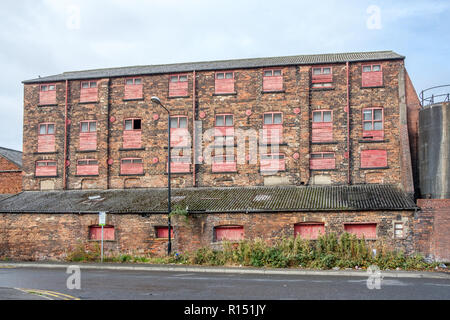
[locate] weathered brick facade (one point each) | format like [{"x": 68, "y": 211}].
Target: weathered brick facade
[
  {"x": 52, "y": 236},
  {"x": 10, "y": 177}
]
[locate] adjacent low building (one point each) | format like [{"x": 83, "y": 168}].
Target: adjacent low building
[{"x": 10, "y": 172}]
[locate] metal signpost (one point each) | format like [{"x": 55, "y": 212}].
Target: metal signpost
[{"x": 102, "y": 223}]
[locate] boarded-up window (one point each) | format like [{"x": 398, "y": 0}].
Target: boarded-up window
[
  {"x": 88, "y": 135},
  {"x": 372, "y": 75},
  {"x": 322, "y": 126},
  {"x": 272, "y": 80},
  {"x": 180, "y": 164},
  {"x": 89, "y": 91},
  {"x": 373, "y": 128},
  {"x": 132, "y": 134},
  {"x": 322, "y": 77},
  {"x": 360, "y": 230},
  {"x": 373, "y": 159},
  {"x": 224, "y": 82},
  {"x": 163, "y": 232},
  {"x": 131, "y": 166},
  {"x": 178, "y": 85},
  {"x": 95, "y": 233},
  {"x": 87, "y": 167},
  {"x": 273, "y": 128},
  {"x": 46, "y": 168},
  {"x": 47, "y": 94},
  {"x": 272, "y": 163},
  {"x": 46, "y": 137},
  {"x": 310, "y": 231},
  {"x": 322, "y": 161},
  {"x": 224, "y": 125},
  {"x": 133, "y": 89},
  {"x": 224, "y": 163},
  {"x": 179, "y": 133},
  {"x": 229, "y": 233}
]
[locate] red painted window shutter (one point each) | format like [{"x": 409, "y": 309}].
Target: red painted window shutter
[
  {"x": 46, "y": 137},
  {"x": 224, "y": 82},
  {"x": 180, "y": 165},
  {"x": 87, "y": 167},
  {"x": 95, "y": 233},
  {"x": 372, "y": 76},
  {"x": 322, "y": 75},
  {"x": 373, "y": 124},
  {"x": 132, "y": 134},
  {"x": 272, "y": 163},
  {"x": 131, "y": 166},
  {"x": 373, "y": 158},
  {"x": 133, "y": 89},
  {"x": 224, "y": 163},
  {"x": 47, "y": 94},
  {"x": 322, "y": 126},
  {"x": 273, "y": 128},
  {"x": 366, "y": 230},
  {"x": 179, "y": 132},
  {"x": 322, "y": 161},
  {"x": 229, "y": 233},
  {"x": 310, "y": 231},
  {"x": 88, "y": 135},
  {"x": 46, "y": 169},
  {"x": 272, "y": 80},
  {"x": 178, "y": 86},
  {"x": 163, "y": 232},
  {"x": 89, "y": 91}
]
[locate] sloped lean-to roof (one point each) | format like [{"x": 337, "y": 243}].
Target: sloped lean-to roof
[
  {"x": 214, "y": 200},
  {"x": 12, "y": 155},
  {"x": 222, "y": 65}
]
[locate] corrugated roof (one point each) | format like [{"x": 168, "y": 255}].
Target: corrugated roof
[
  {"x": 222, "y": 65},
  {"x": 12, "y": 155},
  {"x": 214, "y": 200}
]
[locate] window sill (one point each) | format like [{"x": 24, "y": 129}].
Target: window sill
[
  {"x": 373, "y": 141},
  {"x": 225, "y": 146},
  {"x": 282, "y": 144},
  {"x": 134, "y": 99},
  {"x": 44, "y": 153},
  {"x": 324, "y": 142},
  {"x": 132, "y": 175},
  {"x": 47, "y": 105},
  {"x": 85, "y": 151},
  {"x": 324, "y": 169},
  {"x": 177, "y": 97},
  {"x": 225, "y": 94},
  {"x": 87, "y": 175},
  {"x": 46, "y": 177},
  {"x": 323, "y": 89},
  {"x": 224, "y": 172},
  {"x": 88, "y": 102},
  {"x": 374, "y": 168},
  {"x": 132, "y": 149},
  {"x": 177, "y": 147},
  {"x": 178, "y": 173},
  {"x": 112, "y": 241},
  {"x": 274, "y": 91},
  {"x": 272, "y": 172},
  {"x": 374, "y": 87}
]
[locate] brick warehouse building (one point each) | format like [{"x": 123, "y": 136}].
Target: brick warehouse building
[{"x": 335, "y": 138}]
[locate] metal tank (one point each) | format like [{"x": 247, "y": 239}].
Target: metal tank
[{"x": 434, "y": 146}]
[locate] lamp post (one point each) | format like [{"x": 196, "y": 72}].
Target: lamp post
[{"x": 156, "y": 100}]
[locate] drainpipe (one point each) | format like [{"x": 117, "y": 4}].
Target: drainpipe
[
  {"x": 194, "y": 157},
  {"x": 65, "y": 137},
  {"x": 108, "y": 128},
  {"x": 349, "y": 181}
]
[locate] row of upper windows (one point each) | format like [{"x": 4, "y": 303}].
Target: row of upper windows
[{"x": 321, "y": 77}]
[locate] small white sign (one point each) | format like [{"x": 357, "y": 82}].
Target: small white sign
[{"x": 102, "y": 218}]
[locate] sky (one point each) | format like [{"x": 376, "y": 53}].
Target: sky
[{"x": 47, "y": 37}]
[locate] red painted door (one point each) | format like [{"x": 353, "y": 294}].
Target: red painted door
[
  {"x": 368, "y": 230},
  {"x": 309, "y": 231},
  {"x": 230, "y": 233}
]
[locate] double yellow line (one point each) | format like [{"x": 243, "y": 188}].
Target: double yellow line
[{"x": 51, "y": 295}]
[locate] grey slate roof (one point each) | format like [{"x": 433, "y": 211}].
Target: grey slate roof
[
  {"x": 12, "y": 155},
  {"x": 214, "y": 200},
  {"x": 222, "y": 65}
]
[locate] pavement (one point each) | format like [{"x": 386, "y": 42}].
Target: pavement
[{"x": 227, "y": 270}]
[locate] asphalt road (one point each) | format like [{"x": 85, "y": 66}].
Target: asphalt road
[{"x": 51, "y": 284}]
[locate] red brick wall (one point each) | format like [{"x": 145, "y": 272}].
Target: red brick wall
[
  {"x": 432, "y": 226},
  {"x": 10, "y": 177},
  {"x": 50, "y": 236}
]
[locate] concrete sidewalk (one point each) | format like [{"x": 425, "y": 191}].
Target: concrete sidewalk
[{"x": 237, "y": 270}]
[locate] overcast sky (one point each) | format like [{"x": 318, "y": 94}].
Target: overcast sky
[{"x": 46, "y": 37}]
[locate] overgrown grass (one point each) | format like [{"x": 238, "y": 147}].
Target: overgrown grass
[{"x": 325, "y": 253}]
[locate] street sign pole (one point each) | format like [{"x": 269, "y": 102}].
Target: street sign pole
[
  {"x": 102, "y": 246},
  {"x": 102, "y": 223}
]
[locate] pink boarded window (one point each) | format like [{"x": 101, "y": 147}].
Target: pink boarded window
[
  {"x": 373, "y": 159},
  {"x": 322, "y": 161},
  {"x": 272, "y": 80},
  {"x": 360, "y": 230},
  {"x": 47, "y": 94},
  {"x": 372, "y": 75},
  {"x": 179, "y": 133},
  {"x": 373, "y": 124},
  {"x": 163, "y": 232},
  {"x": 322, "y": 126},
  {"x": 224, "y": 125},
  {"x": 46, "y": 168},
  {"x": 132, "y": 166},
  {"x": 322, "y": 77},
  {"x": 95, "y": 233},
  {"x": 272, "y": 163},
  {"x": 87, "y": 167},
  {"x": 132, "y": 134},
  {"x": 310, "y": 231},
  {"x": 273, "y": 128},
  {"x": 180, "y": 164},
  {"x": 89, "y": 91},
  {"x": 224, "y": 82},
  {"x": 133, "y": 89},
  {"x": 46, "y": 137},
  {"x": 88, "y": 135},
  {"x": 178, "y": 85},
  {"x": 224, "y": 163},
  {"x": 229, "y": 233}
]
